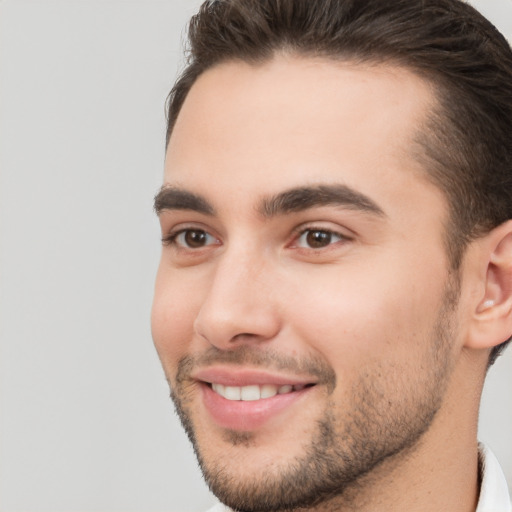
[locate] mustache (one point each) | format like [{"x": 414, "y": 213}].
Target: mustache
[{"x": 256, "y": 357}]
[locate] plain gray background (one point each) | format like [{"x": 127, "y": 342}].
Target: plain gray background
[{"x": 86, "y": 423}]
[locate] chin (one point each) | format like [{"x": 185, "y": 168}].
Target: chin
[{"x": 306, "y": 456}]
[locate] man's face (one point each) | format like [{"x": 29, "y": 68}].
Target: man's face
[{"x": 304, "y": 311}]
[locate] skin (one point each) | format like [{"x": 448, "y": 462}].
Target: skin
[{"x": 375, "y": 317}]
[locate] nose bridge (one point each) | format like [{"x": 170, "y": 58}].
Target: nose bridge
[{"x": 237, "y": 307}]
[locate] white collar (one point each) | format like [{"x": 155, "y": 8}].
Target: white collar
[{"x": 494, "y": 495}]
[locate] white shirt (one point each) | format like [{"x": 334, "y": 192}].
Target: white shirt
[{"x": 494, "y": 496}]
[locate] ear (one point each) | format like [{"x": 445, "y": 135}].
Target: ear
[{"x": 491, "y": 323}]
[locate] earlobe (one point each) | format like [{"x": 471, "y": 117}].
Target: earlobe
[{"x": 492, "y": 319}]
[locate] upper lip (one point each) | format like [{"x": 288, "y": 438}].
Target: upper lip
[{"x": 246, "y": 377}]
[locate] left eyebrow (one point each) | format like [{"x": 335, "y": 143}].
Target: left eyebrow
[
  {"x": 174, "y": 198},
  {"x": 304, "y": 198}
]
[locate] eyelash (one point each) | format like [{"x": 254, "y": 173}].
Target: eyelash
[
  {"x": 325, "y": 231},
  {"x": 172, "y": 238}
]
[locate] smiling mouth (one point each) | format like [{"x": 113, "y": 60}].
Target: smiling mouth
[{"x": 254, "y": 392}]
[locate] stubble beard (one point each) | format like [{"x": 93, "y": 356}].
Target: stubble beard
[{"x": 345, "y": 449}]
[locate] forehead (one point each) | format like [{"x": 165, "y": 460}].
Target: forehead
[{"x": 293, "y": 121}]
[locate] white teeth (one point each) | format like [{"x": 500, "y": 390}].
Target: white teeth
[
  {"x": 268, "y": 391},
  {"x": 232, "y": 393},
  {"x": 218, "y": 388},
  {"x": 253, "y": 392},
  {"x": 250, "y": 393}
]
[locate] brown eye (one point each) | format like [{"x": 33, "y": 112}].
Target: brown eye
[
  {"x": 193, "y": 239},
  {"x": 317, "y": 238}
]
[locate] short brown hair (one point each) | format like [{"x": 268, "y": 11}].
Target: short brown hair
[{"x": 467, "y": 143}]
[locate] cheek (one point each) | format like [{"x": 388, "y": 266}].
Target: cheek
[
  {"x": 354, "y": 317},
  {"x": 172, "y": 318}
]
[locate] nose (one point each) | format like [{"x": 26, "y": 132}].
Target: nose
[{"x": 239, "y": 306}]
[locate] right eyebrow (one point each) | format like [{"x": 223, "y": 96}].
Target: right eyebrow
[
  {"x": 175, "y": 198},
  {"x": 304, "y": 198}
]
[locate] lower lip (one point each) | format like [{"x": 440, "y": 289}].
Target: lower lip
[{"x": 247, "y": 415}]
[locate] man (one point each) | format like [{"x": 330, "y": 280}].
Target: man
[{"x": 336, "y": 272}]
